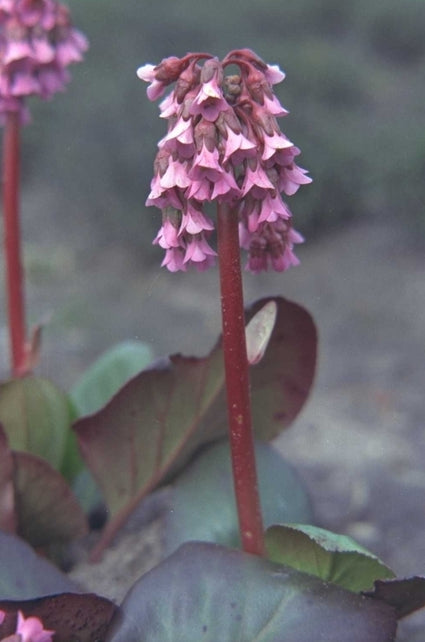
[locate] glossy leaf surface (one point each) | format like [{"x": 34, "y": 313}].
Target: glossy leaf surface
[
  {"x": 158, "y": 419},
  {"x": 208, "y": 592},
  {"x": 203, "y": 505},
  {"x": 331, "y": 557}
]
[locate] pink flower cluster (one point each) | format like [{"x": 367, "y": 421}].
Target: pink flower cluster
[
  {"x": 37, "y": 43},
  {"x": 27, "y": 630},
  {"x": 223, "y": 144}
]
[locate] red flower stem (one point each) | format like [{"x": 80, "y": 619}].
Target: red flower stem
[
  {"x": 237, "y": 383},
  {"x": 12, "y": 243}
]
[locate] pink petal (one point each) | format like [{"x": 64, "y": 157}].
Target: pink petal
[
  {"x": 258, "y": 178},
  {"x": 274, "y": 75},
  {"x": 173, "y": 260},
  {"x": 146, "y": 72},
  {"x": 17, "y": 50}
]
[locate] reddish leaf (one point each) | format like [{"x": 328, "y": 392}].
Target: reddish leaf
[
  {"x": 154, "y": 424},
  {"x": 405, "y": 595},
  {"x": 73, "y": 617},
  {"x": 281, "y": 382},
  {"x": 47, "y": 510},
  {"x": 7, "y": 496}
]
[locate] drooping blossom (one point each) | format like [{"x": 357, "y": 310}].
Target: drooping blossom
[
  {"x": 223, "y": 144},
  {"x": 37, "y": 44}
]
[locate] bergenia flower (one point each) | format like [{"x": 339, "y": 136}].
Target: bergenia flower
[
  {"x": 31, "y": 630},
  {"x": 223, "y": 144},
  {"x": 37, "y": 44},
  {"x": 27, "y": 630}
]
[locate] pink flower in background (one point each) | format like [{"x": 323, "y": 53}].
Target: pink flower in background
[
  {"x": 31, "y": 630},
  {"x": 37, "y": 44},
  {"x": 223, "y": 144},
  {"x": 27, "y": 629}
]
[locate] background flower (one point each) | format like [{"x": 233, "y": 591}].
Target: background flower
[{"x": 37, "y": 43}]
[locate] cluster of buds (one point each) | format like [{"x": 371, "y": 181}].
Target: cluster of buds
[
  {"x": 37, "y": 43},
  {"x": 223, "y": 144},
  {"x": 27, "y": 630}
]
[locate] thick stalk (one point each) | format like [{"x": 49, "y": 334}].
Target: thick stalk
[
  {"x": 12, "y": 243},
  {"x": 237, "y": 383}
]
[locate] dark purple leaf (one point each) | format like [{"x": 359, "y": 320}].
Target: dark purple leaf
[
  {"x": 405, "y": 595},
  {"x": 47, "y": 510},
  {"x": 155, "y": 423}
]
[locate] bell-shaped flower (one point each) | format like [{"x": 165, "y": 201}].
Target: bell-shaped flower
[{"x": 223, "y": 144}]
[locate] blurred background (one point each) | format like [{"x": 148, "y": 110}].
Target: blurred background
[{"x": 355, "y": 89}]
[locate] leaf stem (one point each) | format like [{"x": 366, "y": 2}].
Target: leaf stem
[
  {"x": 237, "y": 383},
  {"x": 12, "y": 243}
]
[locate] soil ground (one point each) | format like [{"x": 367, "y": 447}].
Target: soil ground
[{"x": 359, "y": 443}]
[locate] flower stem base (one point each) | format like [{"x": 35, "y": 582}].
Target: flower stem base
[{"x": 237, "y": 383}]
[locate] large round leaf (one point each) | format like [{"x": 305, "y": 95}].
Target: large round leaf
[
  {"x": 157, "y": 420},
  {"x": 208, "y": 592},
  {"x": 36, "y": 417},
  {"x": 203, "y": 504}
]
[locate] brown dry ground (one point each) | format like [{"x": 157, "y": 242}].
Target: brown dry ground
[{"x": 360, "y": 441}]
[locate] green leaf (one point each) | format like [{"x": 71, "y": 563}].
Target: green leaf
[
  {"x": 87, "y": 491},
  {"x": 24, "y": 575},
  {"x": 155, "y": 423},
  {"x": 73, "y": 617},
  {"x": 334, "y": 558},
  {"x": 72, "y": 462},
  {"x": 36, "y": 417},
  {"x": 203, "y": 506},
  {"x": 208, "y": 592},
  {"x": 8, "y": 521},
  {"x": 108, "y": 374},
  {"x": 47, "y": 511}
]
